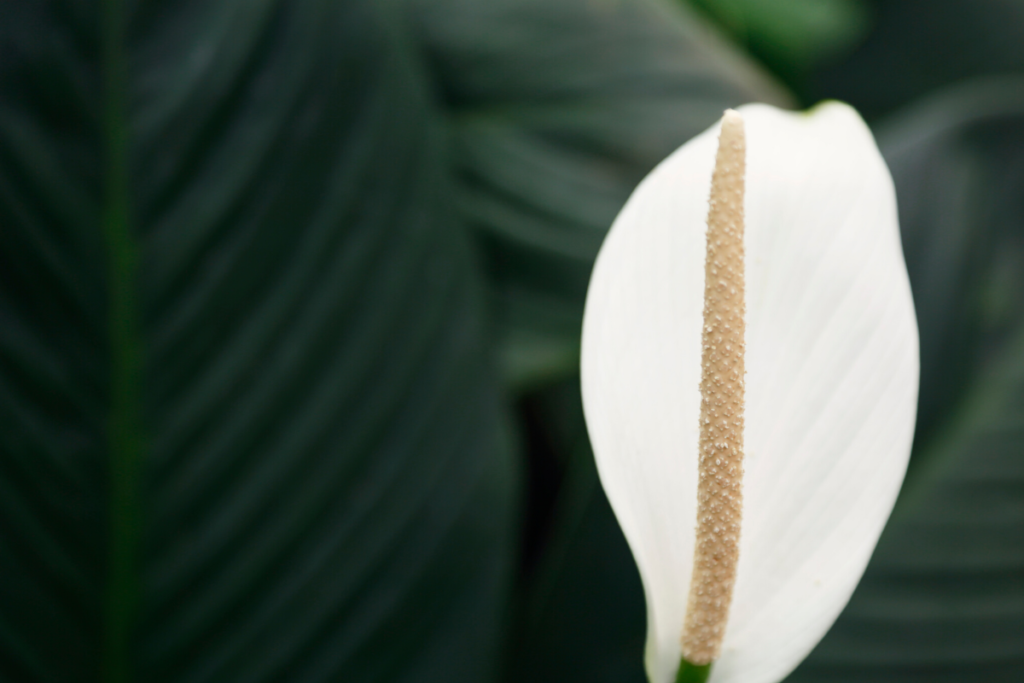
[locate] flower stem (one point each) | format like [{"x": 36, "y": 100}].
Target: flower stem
[{"x": 692, "y": 673}]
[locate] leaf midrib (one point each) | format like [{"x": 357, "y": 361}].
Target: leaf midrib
[{"x": 123, "y": 422}]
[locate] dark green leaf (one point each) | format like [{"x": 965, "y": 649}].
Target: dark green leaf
[
  {"x": 583, "y": 618},
  {"x": 251, "y": 414},
  {"x": 558, "y": 110},
  {"x": 251, "y": 427},
  {"x": 916, "y": 46},
  {"x": 943, "y": 597},
  {"x": 791, "y": 36}
]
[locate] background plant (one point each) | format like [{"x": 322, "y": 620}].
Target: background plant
[{"x": 289, "y": 316}]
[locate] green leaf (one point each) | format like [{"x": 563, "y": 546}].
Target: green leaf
[
  {"x": 253, "y": 261},
  {"x": 943, "y": 597},
  {"x": 583, "y": 612},
  {"x": 558, "y": 109},
  {"x": 251, "y": 428},
  {"x": 791, "y": 36},
  {"x": 914, "y": 48}
]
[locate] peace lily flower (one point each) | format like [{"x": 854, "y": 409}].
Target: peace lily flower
[{"x": 750, "y": 372}]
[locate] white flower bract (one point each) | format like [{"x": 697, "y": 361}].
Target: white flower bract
[{"x": 831, "y": 384}]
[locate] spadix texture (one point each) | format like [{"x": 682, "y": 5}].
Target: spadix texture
[{"x": 831, "y": 383}]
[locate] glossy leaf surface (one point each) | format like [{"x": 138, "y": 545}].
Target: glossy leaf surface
[{"x": 258, "y": 262}]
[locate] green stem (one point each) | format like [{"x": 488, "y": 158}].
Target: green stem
[
  {"x": 692, "y": 673},
  {"x": 125, "y": 443}
]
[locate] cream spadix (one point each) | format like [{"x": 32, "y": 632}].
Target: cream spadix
[
  {"x": 831, "y": 361},
  {"x": 720, "y": 446}
]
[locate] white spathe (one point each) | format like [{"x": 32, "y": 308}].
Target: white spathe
[{"x": 831, "y": 387}]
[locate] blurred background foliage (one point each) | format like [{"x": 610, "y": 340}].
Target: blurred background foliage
[{"x": 290, "y": 295}]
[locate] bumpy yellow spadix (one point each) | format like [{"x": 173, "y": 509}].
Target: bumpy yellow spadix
[
  {"x": 825, "y": 411},
  {"x": 720, "y": 460}
]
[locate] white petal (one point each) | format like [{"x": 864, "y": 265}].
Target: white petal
[{"x": 832, "y": 375}]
